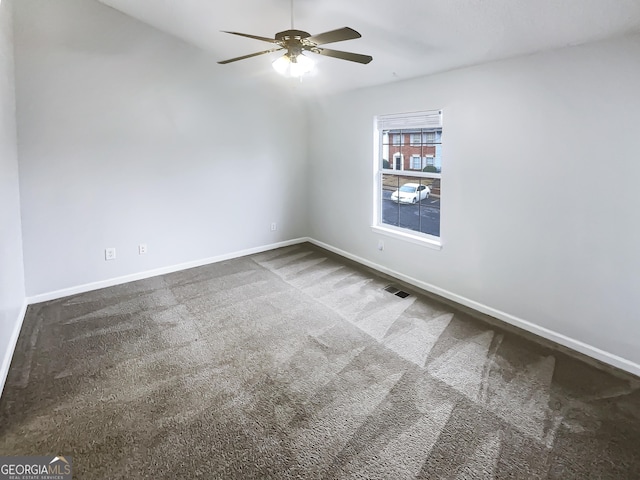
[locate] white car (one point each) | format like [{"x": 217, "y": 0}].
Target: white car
[{"x": 410, "y": 193}]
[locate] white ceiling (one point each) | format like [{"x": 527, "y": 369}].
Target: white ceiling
[{"x": 407, "y": 38}]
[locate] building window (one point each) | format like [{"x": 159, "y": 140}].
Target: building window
[
  {"x": 408, "y": 201},
  {"x": 429, "y": 137}
]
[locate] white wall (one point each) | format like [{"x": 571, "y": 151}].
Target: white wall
[
  {"x": 12, "y": 294},
  {"x": 540, "y": 199},
  {"x": 128, "y": 136}
]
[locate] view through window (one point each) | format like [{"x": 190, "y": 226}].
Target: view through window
[{"x": 409, "y": 171}]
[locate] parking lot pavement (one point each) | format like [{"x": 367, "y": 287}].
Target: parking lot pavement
[{"x": 421, "y": 217}]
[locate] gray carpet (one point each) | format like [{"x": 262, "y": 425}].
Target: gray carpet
[{"x": 296, "y": 364}]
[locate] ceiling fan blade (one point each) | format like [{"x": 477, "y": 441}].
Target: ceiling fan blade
[
  {"x": 338, "y": 35},
  {"x": 248, "y": 56},
  {"x": 256, "y": 37},
  {"x": 352, "y": 57}
]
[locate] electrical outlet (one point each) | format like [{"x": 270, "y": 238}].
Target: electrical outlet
[
  {"x": 142, "y": 249},
  {"x": 381, "y": 245},
  {"x": 109, "y": 253},
  {"x": 274, "y": 226}
]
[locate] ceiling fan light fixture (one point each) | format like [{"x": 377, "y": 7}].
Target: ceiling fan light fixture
[
  {"x": 301, "y": 65},
  {"x": 293, "y": 65},
  {"x": 282, "y": 64}
]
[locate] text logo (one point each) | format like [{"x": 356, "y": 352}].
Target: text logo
[{"x": 36, "y": 468}]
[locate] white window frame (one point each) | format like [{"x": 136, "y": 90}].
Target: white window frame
[
  {"x": 424, "y": 119},
  {"x": 412, "y": 139},
  {"x": 416, "y": 160}
]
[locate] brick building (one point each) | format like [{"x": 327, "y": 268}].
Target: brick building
[{"x": 413, "y": 149}]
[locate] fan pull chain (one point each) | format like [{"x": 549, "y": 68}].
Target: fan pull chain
[{"x": 292, "y": 15}]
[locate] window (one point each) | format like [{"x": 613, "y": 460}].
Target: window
[
  {"x": 429, "y": 137},
  {"x": 407, "y": 200}
]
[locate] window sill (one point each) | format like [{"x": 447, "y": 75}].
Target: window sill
[{"x": 417, "y": 239}]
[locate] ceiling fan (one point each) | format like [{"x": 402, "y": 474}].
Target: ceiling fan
[{"x": 296, "y": 42}]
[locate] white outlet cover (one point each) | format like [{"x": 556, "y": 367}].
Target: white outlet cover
[{"x": 109, "y": 253}]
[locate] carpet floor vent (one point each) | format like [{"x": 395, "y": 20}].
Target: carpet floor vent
[{"x": 396, "y": 291}]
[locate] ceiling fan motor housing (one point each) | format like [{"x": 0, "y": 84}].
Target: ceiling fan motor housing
[
  {"x": 295, "y": 41},
  {"x": 289, "y": 35}
]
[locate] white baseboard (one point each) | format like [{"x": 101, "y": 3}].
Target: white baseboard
[
  {"x": 6, "y": 361},
  {"x": 11, "y": 347},
  {"x": 44, "y": 297},
  {"x": 573, "y": 344},
  {"x": 576, "y": 345}
]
